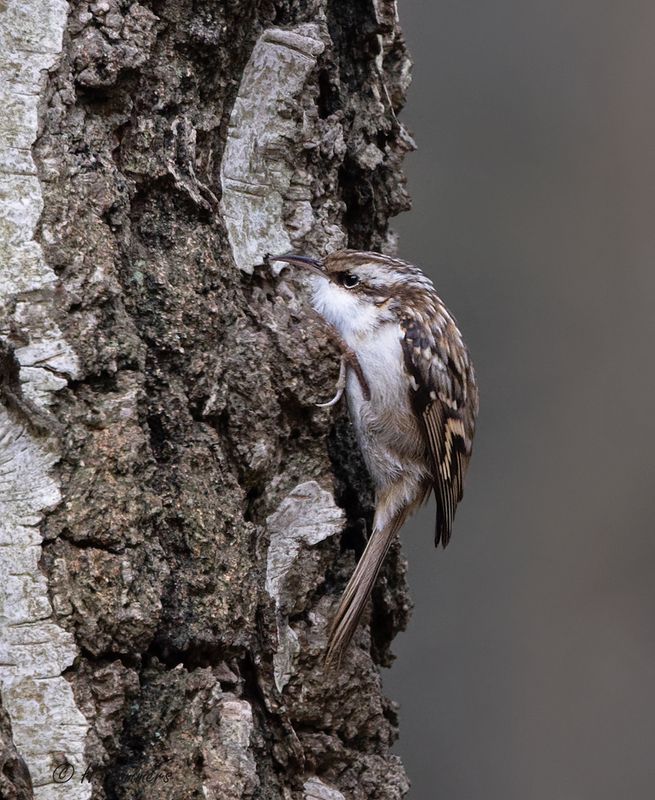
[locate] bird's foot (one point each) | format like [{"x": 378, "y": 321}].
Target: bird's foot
[{"x": 341, "y": 385}]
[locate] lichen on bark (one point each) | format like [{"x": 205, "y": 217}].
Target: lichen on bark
[{"x": 178, "y": 141}]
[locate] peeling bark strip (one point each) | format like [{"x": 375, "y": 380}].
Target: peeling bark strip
[
  {"x": 178, "y": 519},
  {"x": 259, "y": 171},
  {"x": 34, "y": 649},
  {"x": 306, "y": 517}
]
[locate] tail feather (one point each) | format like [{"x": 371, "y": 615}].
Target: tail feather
[{"x": 356, "y": 594}]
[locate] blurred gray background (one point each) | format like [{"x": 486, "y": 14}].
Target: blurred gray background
[{"x": 528, "y": 670}]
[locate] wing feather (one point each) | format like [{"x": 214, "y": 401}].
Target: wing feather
[{"x": 446, "y": 403}]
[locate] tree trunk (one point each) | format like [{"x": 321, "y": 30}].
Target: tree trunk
[{"x": 178, "y": 519}]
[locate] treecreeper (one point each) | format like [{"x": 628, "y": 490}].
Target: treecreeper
[{"x": 412, "y": 400}]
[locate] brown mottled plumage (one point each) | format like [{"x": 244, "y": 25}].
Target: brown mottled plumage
[{"x": 412, "y": 400}]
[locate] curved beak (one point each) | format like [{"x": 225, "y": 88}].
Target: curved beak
[{"x": 312, "y": 264}]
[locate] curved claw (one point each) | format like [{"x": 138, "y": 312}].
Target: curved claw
[
  {"x": 341, "y": 385},
  {"x": 334, "y": 400}
]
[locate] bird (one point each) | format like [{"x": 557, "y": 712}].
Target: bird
[{"x": 412, "y": 400}]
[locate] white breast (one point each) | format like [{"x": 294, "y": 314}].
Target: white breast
[
  {"x": 386, "y": 427},
  {"x": 381, "y": 357}
]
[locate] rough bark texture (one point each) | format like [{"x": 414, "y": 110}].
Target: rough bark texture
[{"x": 191, "y": 518}]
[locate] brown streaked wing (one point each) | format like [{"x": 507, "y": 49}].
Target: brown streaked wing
[{"x": 445, "y": 401}]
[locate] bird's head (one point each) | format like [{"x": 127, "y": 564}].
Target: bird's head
[{"x": 358, "y": 291}]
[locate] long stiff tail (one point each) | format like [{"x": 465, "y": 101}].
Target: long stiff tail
[{"x": 356, "y": 594}]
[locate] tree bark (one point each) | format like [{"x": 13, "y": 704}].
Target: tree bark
[{"x": 178, "y": 519}]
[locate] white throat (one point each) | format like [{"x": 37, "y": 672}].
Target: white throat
[{"x": 351, "y": 315}]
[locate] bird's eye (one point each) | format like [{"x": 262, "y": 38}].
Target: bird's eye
[{"x": 348, "y": 280}]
